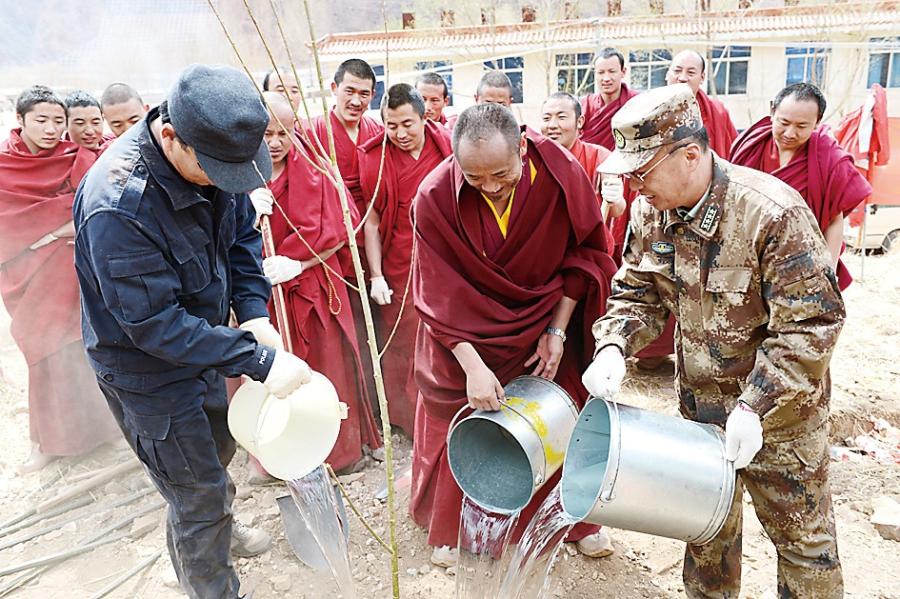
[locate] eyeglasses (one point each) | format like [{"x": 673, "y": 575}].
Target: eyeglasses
[{"x": 641, "y": 177}]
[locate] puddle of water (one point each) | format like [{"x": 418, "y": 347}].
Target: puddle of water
[
  {"x": 314, "y": 497},
  {"x": 528, "y": 573},
  {"x": 483, "y": 536}
]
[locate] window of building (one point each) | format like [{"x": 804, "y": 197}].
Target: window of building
[
  {"x": 514, "y": 67},
  {"x": 444, "y": 68},
  {"x": 728, "y": 71},
  {"x": 575, "y": 73},
  {"x": 648, "y": 68},
  {"x": 375, "y": 104},
  {"x": 807, "y": 64},
  {"x": 884, "y": 62}
]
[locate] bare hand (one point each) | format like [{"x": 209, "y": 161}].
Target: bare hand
[
  {"x": 67, "y": 230},
  {"x": 547, "y": 355},
  {"x": 483, "y": 389}
]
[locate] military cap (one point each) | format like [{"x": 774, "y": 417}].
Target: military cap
[{"x": 648, "y": 121}]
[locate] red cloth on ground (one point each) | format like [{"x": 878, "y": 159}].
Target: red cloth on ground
[
  {"x": 67, "y": 414},
  {"x": 499, "y": 299},
  {"x": 822, "y": 172},
  {"x": 589, "y": 156},
  {"x": 327, "y": 341},
  {"x": 400, "y": 179},
  {"x": 598, "y": 117},
  {"x": 345, "y": 150},
  {"x": 717, "y": 122}
]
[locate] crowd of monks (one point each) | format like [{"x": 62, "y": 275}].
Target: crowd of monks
[{"x": 475, "y": 245}]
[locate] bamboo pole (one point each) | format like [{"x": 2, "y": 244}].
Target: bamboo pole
[
  {"x": 112, "y": 586},
  {"x": 370, "y": 328}
]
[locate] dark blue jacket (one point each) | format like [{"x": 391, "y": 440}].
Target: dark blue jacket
[{"x": 160, "y": 263}]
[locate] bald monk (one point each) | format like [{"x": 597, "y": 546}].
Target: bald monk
[
  {"x": 689, "y": 66},
  {"x": 562, "y": 121},
  {"x": 599, "y": 108},
  {"x": 85, "y": 123},
  {"x": 318, "y": 307},
  {"x": 790, "y": 145},
  {"x": 510, "y": 265},
  {"x": 38, "y": 175},
  {"x": 436, "y": 95},
  {"x": 122, "y": 107},
  {"x": 415, "y": 147},
  {"x": 282, "y": 80}
]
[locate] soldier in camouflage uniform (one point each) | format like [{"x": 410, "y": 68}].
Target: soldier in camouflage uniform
[{"x": 737, "y": 257}]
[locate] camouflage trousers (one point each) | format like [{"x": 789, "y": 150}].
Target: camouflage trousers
[{"x": 788, "y": 483}]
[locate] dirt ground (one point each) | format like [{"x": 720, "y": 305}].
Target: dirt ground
[{"x": 866, "y": 376}]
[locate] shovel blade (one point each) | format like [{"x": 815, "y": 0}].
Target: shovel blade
[{"x": 301, "y": 539}]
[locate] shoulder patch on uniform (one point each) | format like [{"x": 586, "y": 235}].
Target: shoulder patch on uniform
[
  {"x": 709, "y": 219},
  {"x": 662, "y": 247}
]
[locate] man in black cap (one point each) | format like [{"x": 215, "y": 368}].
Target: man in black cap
[{"x": 165, "y": 248}]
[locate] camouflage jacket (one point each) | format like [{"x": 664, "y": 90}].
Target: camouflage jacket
[{"x": 755, "y": 298}]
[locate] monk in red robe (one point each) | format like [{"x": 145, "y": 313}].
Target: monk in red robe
[
  {"x": 598, "y": 109},
  {"x": 791, "y": 146},
  {"x": 85, "y": 123},
  {"x": 38, "y": 176},
  {"x": 510, "y": 265},
  {"x": 689, "y": 66},
  {"x": 353, "y": 88},
  {"x": 562, "y": 121},
  {"x": 122, "y": 107},
  {"x": 434, "y": 91},
  {"x": 415, "y": 147},
  {"x": 318, "y": 306}
]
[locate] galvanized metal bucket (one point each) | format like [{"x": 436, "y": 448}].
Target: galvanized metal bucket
[
  {"x": 643, "y": 471},
  {"x": 500, "y": 459}
]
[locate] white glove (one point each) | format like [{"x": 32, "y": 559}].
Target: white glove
[
  {"x": 380, "y": 291},
  {"x": 743, "y": 436},
  {"x": 262, "y": 200},
  {"x": 612, "y": 190},
  {"x": 603, "y": 378},
  {"x": 264, "y": 332},
  {"x": 286, "y": 374},
  {"x": 280, "y": 269}
]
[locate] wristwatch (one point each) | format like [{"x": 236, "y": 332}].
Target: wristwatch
[{"x": 558, "y": 332}]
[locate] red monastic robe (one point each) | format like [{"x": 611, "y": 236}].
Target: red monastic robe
[
  {"x": 598, "y": 117},
  {"x": 821, "y": 171},
  {"x": 717, "y": 122},
  {"x": 400, "y": 181},
  {"x": 321, "y": 323},
  {"x": 472, "y": 285},
  {"x": 589, "y": 156},
  {"x": 67, "y": 414}
]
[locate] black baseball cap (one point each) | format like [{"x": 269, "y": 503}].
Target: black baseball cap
[{"x": 218, "y": 112}]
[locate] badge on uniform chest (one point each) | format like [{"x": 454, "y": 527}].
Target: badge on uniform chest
[{"x": 662, "y": 248}]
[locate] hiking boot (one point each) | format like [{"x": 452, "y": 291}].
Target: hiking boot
[
  {"x": 444, "y": 556},
  {"x": 247, "y": 542},
  {"x": 596, "y": 545}
]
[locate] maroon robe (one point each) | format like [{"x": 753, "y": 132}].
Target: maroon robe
[
  {"x": 821, "y": 171},
  {"x": 67, "y": 414},
  {"x": 590, "y": 156},
  {"x": 318, "y": 306},
  {"x": 598, "y": 117},
  {"x": 400, "y": 179},
  {"x": 472, "y": 285},
  {"x": 717, "y": 122}
]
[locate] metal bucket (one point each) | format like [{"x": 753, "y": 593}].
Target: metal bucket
[
  {"x": 500, "y": 459},
  {"x": 639, "y": 470}
]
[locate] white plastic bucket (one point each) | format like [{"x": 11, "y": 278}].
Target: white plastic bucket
[{"x": 290, "y": 437}]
